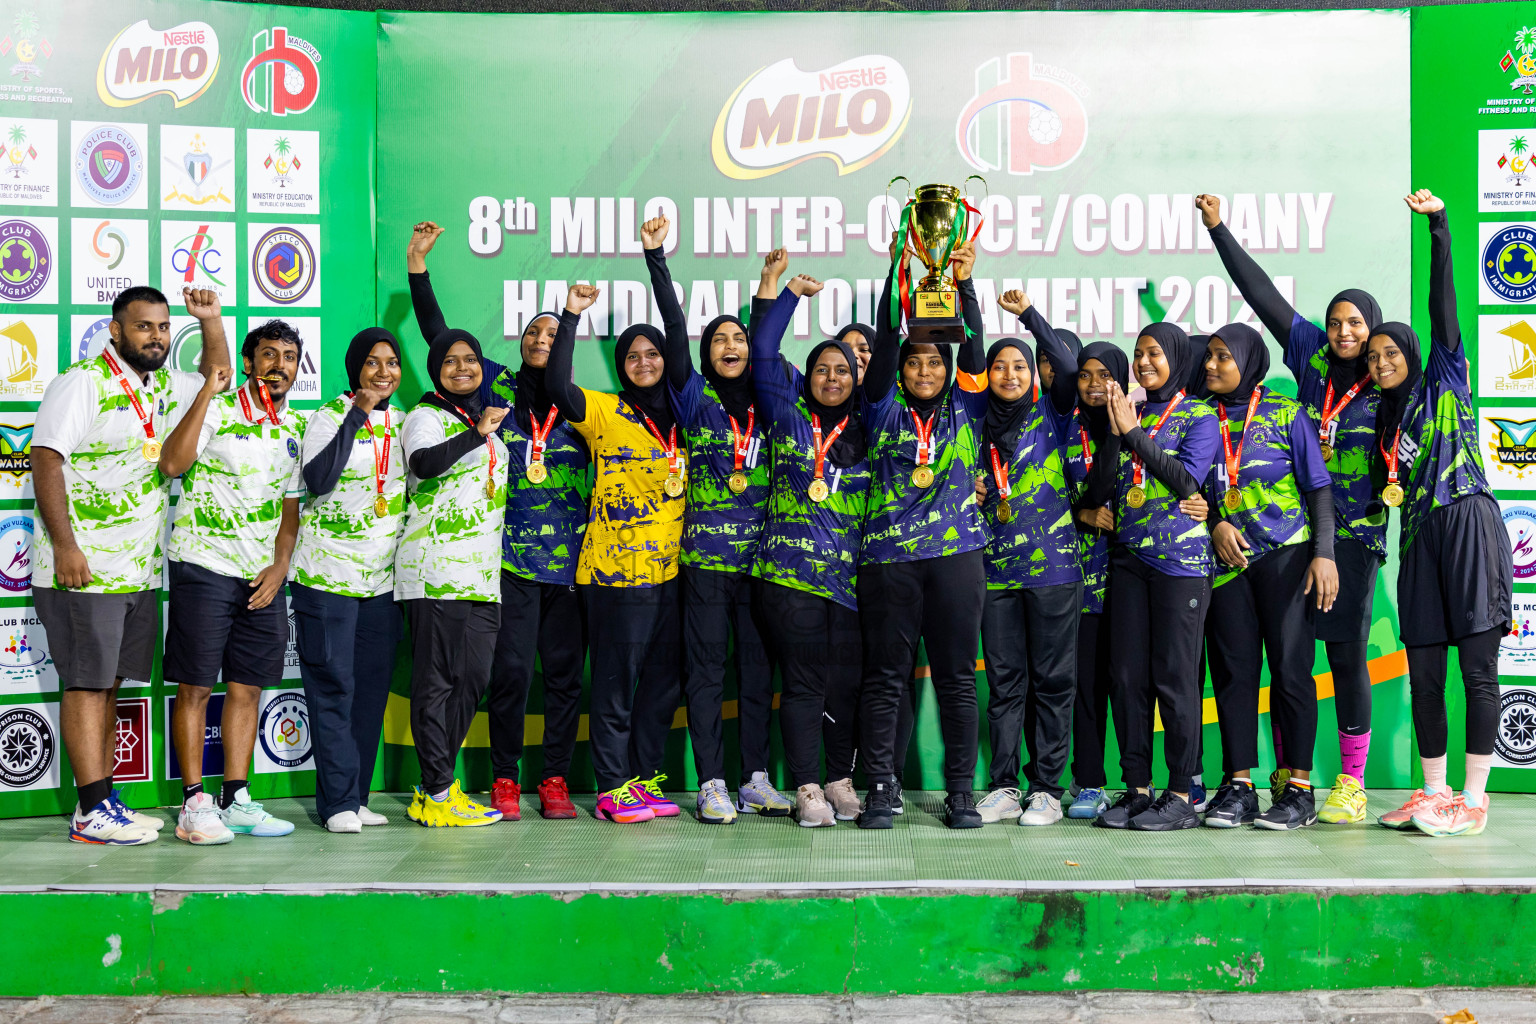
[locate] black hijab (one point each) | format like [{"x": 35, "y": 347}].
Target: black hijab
[
  {"x": 1119, "y": 367},
  {"x": 357, "y": 354},
  {"x": 440, "y": 396},
  {"x": 1179, "y": 352},
  {"x": 651, "y": 401},
  {"x": 1389, "y": 414},
  {"x": 1196, "y": 386},
  {"x": 736, "y": 393},
  {"x": 851, "y": 445},
  {"x": 1005, "y": 419},
  {"x": 1252, "y": 358},
  {"x": 533, "y": 401},
  {"x": 1074, "y": 345},
  {"x": 924, "y": 406},
  {"x": 1344, "y": 372}
]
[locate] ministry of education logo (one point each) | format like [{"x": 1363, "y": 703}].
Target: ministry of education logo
[
  {"x": 1514, "y": 742},
  {"x": 283, "y": 265},
  {"x": 26, "y": 261},
  {"x": 27, "y": 747},
  {"x": 1508, "y": 263},
  {"x": 109, "y": 164}
]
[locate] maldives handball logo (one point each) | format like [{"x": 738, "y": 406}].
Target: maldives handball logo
[
  {"x": 851, "y": 114},
  {"x": 281, "y": 78},
  {"x": 283, "y": 265},
  {"x": 1509, "y": 262},
  {"x": 26, "y": 262},
  {"x": 109, "y": 165},
  {"x": 1024, "y": 117},
  {"x": 141, "y": 62}
]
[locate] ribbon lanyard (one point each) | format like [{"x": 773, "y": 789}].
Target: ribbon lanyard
[
  {"x": 541, "y": 435},
  {"x": 266, "y": 401},
  {"x": 146, "y": 420},
  {"x": 668, "y": 447},
  {"x": 490, "y": 445},
  {"x": 1082, "y": 432},
  {"x": 1000, "y": 474},
  {"x": 380, "y": 461},
  {"x": 1234, "y": 460},
  {"x": 1330, "y": 410},
  {"x": 1151, "y": 435},
  {"x": 741, "y": 442},
  {"x": 1392, "y": 494},
  {"x": 822, "y": 449},
  {"x": 924, "y": 438}
]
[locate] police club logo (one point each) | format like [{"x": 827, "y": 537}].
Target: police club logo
[
  {"x": 26, "y": 261},
  {"x": 1514, "y": 742},
  {"x": 27, "y": 747},
  {"x": 1023, "y": 117},
  {"x": 109, "y": 164},
  {"x": 1508, "y": 262},
  {"x": 283, "y": 265},
  {"x": 284, "y": 730}
]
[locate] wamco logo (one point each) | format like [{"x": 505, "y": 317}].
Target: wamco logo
[
  {"x": 142, "y": 62},
  {"x": 851, "y": 114},
  {"x": 1024, "y": 117}
]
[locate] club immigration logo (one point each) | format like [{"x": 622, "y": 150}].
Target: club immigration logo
[
  {"x": 197, "y": 161},
  {"x": 27, "y": 747},
  {"x": 282, "y": 78},
  {"x": 29, "y": 42},
  {"x": 1514, "y": 742},
  {"x": 1517, "y": 649},
  {"x": 109, "y": 164},
  {"x": 26, "y": 260},
  {"x": 1024, "y": 117},
  {"x": 141, "y": 62},
  {"x": 1525, "y": 64},
  {"x": 1509, "y": 262},
  {"x": 851, "y": 114},
  {"x": 16, "y": 553},
  {"x": 1520, "y": 523},
  {"x": 284, "y": 730},
  {"x": 283, "y": 265}
]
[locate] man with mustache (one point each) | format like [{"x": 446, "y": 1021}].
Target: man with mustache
[
  {"x": 238, "y": 455},
  {"x": 101, "y": 503}
]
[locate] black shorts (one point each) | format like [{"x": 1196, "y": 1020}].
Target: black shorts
[
  {"x": 1349, "y": 620},
  {"x": 96, "y": 639},
  {"x": 211, "y": 629},
  {"x": 1457, "y": 575}
]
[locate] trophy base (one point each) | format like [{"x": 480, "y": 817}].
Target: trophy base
[{"x": 935, "y": 330}]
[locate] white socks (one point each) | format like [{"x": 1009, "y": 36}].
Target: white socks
[
  {"x": 1477, "y": 779},
  {"x": 1434, "y": 774}
]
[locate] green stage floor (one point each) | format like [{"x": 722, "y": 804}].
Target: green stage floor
[{"x": 681, "y": 855}]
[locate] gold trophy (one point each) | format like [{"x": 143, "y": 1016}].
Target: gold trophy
[{"x": 933, "y": 223}]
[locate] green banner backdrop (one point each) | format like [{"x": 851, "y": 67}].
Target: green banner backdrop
[{"x": 541, "y": 142}]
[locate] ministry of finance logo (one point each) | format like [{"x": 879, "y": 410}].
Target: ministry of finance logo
[
  {"x": 283, "y": 266},
  {"x": 109, "y": 164},
  {"x": 1508, "y": 262},
  {"x": 281, "y": 78},
  {"x": 1024, "y": 117},
  {"x": 27, "y": 747},
  {"x": 1514, "y": 742},
  {"x": 284, "y": 731}
]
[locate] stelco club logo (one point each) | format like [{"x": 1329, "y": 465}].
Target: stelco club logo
[
  {"x": 142, "y": 62},
  {"x": 281, "y": 78},
  {"x": 1509, "y": 263},
  {"x": 283, "y": 265},
  {"x": 1024, "y": 117},
  {"x": 851, "y": 113}
]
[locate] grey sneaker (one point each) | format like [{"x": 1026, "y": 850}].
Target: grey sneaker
[
  {"x": 714, "y": 807},
  {"x": 999, "y": 805},
  {"x": 1043, "y": 809},
  {"x": 759, "y": 797},
  {"x": 844, "y": 800},
  {"x": 811, "y": 807}
]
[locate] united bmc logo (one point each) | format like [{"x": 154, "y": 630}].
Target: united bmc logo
[
  {"x": 282, "y": 77},
  {"x": 1024, "y": 117},
  {"x": 141, "y": 62},
  {"x": 851, "y": 114}
]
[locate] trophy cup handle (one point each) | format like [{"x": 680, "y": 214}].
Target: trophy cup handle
[
  {"x": 907, "y": 199},
  {"x": 967, "y": 182}
]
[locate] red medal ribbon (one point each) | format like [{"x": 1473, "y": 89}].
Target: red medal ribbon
[
  {"x": 1391, "y": 457},
  {"x": 1330, "y": 410},
  {"x": 924, "y": 433},
  {"x": 145, "y": 421},
  {"x": 1234, "y": 460},
  {"x": 1136, "y": 459},
  {"x": 741, "y": 442},
  {"x": 490, "y": 441},
  {"x": 1000, "y": 474},
  {"x": 380, "y": 461},
  {"x": 541, "y": 435},
  {"x": 1082, "y": 432},
  {"x": 668, "y": 447},
  {"x": 822, "y": 449},
  {"x": 266, "y": 401}
]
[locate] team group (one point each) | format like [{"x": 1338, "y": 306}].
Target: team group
[{"x": 816, "y": 522}]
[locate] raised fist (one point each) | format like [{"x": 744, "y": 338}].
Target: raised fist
[
  {"x": 580, "y": 297},
  {"x": 423, "y": 237},
  {"x": 804, "y": 284},
  {"x": 202, "y": 303},
  {"x": 490, "y": 419},
  {"x": 654, "y": 231},
  {"x": 1014, "y": 301},
  {"x": 1210, "y": 210},
  {"x": 775, "y": 263},
  {"x": 1424, "y": 201},
  {"x": 217, "y": 379}
]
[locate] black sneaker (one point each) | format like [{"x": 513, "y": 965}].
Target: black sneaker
[
  {"x": 1234, "y": 804},
  {"x": 877, "y": 806},
  {"x": 1296, "y": 808},
  {"x": 1120, "y": 813},
  {"x": 896, "y": 805},
  {"x": 960, "y": 811},
  {"x": 1168, "y": 813}
]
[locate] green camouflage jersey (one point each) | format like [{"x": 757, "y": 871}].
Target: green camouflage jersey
[
  {"x": 232, "y": 496},
  {"x": 720, "y": 527},
  {"x": 1158, "y": 533},
  {"x": 117, "y": 497},
  {"x": 450, "y": 549},
  {"x": 344, "y": 548}
]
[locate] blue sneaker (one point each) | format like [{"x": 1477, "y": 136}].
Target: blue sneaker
[
  {"x": 1090, "y": 803},
  {"x": 1198, "y": 798}
]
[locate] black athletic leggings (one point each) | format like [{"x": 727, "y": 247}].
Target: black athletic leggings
[
  {"x": 1478, "y": 655},
  {"x": 1090, "y": 711}
]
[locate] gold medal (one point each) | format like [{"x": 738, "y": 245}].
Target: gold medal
[
  {"x": 737, "y": 482},
  {"x": 151, "y": 451},
  {"x": 490, "y": 489},
  {"x": 673, "y": 486},
  {"x": 1233, "y": 499},
  {"x": 922, "y": 476},
  {"x": 380, "y": 507},
  {"x": 1392, "y": 494},
  {"x": 1004, "y": 511},
  {"x": 537, "y": 473},
  {"x": 1135, "y": 497},
  {"x": 818, "y": 490},
  {"x": 1327, "y": 452}
]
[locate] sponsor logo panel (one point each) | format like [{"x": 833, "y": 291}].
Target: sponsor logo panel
[
  {"x": 282, "y": 171},
  {"x": 1517, "y": 651},
  {"x": 26, "y": 666},
  {"x": 199, "y": 254},
  {"x": 187, "y": 343},
  {"x": 213, "y": 738},
  {"x": 282, "y": 76},
  {"x": 179, "y": 62},
  {"x": 1520, "y": 523},
  {"x": 29, "y": 355},
  {"x": 1505, "y": 179},
  {"x": 1507, "y": 435},
  {"x": 27, "y": 253},
  {"x": 88, "y": 335},
  {"x": 1514, "y": 741},
  {"x": 109, "y": 165},
  {"x": 132, "y": 756},
  {"x": 284, "y": 264},
  {"x": 1023, "y": 117},
  {"x": 29, "y": 746},
  {"x": 283, "y": 737},
  {"x": 29, "y": 162},
  {"x": 1507, "y": 267},
  {"x": 16, "y": 454},
  {"x": 16, "y": 553},
  {"x": 108, "y": 256},
  {"x": 197, "y": 168},
  {"x": 306, "y": 386}
]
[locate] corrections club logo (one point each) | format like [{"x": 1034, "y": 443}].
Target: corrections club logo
[
  {"x": 141, "y": 62},
  {"x": 1515, "y": 740},
  {"x": 283, "y": 265},
  {"x": 851, "y": 114},
  {"x": 27, "y": 747},
  {"x": 109, "y": 164},
  {"x": 1509, "y": 262},
  {"x": 1024, "y": 117},
  {"x": 26, "y": 262},
  {"x": 282, "y": 77},
  {"x": 284, "y": 729}
]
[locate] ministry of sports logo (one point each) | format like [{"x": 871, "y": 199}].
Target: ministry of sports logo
[
  {"x": 1524, "y": 65},
  {"x": 27, "y": 747},
  {"x": 283, "y": 265},
  {"x": 1514, "y": 742},
  {"x": 281, "y": 78},
  {"x": 26, "y": 261},
  {"x": 284, "y": 729},
  {"x": 1023, "y": 117},
  {"x": 109, "y": 164},
  {"x": 1508, "y": 263}
]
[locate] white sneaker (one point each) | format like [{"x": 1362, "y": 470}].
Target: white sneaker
[
  {"x": 844, "y": 800},
  {"x": 811, "y": 807},
  {"x": 368, "y": 817},
  {"x": 137, "y": 817},
  {"x": 1043, "y": 809},
  {"x": 344, "y": 821},
  {"x": 247, "y": 816},
  {"x": 999, "y": 805},
  {"x": 107, "y": 825},
  {"x": 200, "y": 824}
]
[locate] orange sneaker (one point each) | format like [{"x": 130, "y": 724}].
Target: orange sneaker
[
  {"x": 1453, "y": 818},
  {"x": 505, "y": 797},
  {"x": 1419, "y": 803}
]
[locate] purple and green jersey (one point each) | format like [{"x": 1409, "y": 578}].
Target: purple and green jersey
[
  {"x": 1092, "y": 545},
  {"x": 1158, "y": 533},
  {"x": 720, "y": 528},
  {"x": 1038, "y": 547}
]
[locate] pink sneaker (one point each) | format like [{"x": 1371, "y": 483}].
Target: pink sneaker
[
  {"x": 622, "y": 805},
  {"x": 1419, "y": 803},
  {"x": 1453, "y": 818},
  {"x": 649, "y": 791}
]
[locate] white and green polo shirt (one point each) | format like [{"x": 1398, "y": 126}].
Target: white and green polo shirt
[
  {"x": 117, "y": 497},
  {"x": 344, "y": 548},
  {"x": 451, "y": 547},
  {"x": 232, "y": 496}
]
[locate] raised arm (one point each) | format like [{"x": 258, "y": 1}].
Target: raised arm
[
  {"x": 772, "y": 378},
  {"x": 568, "y": 398},
  {"x": 1064, "y": 385},
  {"x": 885, "y": 346},
  {"x": 181, "y": 447},
  {"x": 678, "y": 358},
  {"x": 204, "y": 304},
  {"x": 1447, "y": 360},
  {"x": 774, "y": 265},
  {"x": 324, "y": 468},
  {"x": 429, "y": 316},
  {"x": 972, "y": 357},
  {"x": 1258, "y": 290}
]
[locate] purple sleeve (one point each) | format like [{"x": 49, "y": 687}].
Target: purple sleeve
[
  {"x": 1306, "y": 454},
  {"x": 1304, "y": 341},
  {"x": 1197, "y": 451},
  {"x": 685, "y": 399},
  {"x": 776, "y": 382}
]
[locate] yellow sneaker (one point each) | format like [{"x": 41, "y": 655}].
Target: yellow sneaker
[
  {"x": 470, "y": 812},
  {"x": 457, "y": 810},
  {"x": 1346, "y": 804},
  {"x": 417, "y": 812},
  {"x": 1277, "y": 783}
]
